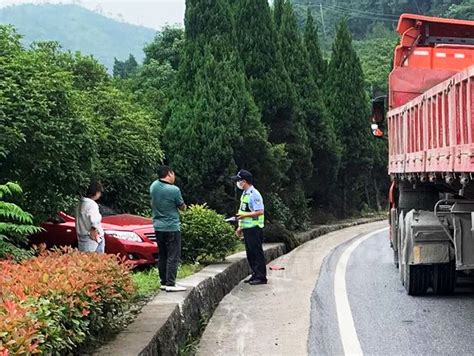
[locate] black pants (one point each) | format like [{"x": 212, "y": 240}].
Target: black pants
[
  {"x": 169, "y": 244},
  {"x": 253, "y": 238}
]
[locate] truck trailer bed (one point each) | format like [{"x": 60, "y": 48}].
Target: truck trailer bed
[{"x": 434, "y": 133}]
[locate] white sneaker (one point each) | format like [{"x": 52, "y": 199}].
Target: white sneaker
[
  {"x": 162, "y": 287},
  {"x": 175, "y": 289}
]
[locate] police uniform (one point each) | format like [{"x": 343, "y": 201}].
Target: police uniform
[{"x": 252, "y": 229}]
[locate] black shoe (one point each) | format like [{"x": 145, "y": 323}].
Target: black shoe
[
  {"x": 248, "y": 280},
  {"x": 256, "y": 281}
]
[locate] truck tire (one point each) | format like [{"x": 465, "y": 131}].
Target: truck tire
[
  {"x": 417, "y": 279},
  {"x": 444, "y": 278}
]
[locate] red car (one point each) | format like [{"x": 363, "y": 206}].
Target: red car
[{"x": 128, "y": 235}]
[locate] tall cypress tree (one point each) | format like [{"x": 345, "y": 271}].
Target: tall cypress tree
[
  {"x": 214, "y": 125},
  {"x": 348, "y": 104},
  {"x": 257, "y": 42},
  {"x": 273, "y": 91},
  {"x": 316, "y": 60},
  {"x": 311, "y": 111},
  {"x": 324, "y": 142},
  {"x": 278, "y": 6}
]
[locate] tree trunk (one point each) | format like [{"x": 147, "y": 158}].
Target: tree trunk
[
  {"x": 367, "y": 193},
  {"x": 344, "y": 196},
  {"x": 377, "y": 196}
]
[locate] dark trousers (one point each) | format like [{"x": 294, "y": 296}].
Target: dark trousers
[
  {"x": 253, "y": 238},
  {"x": 169, "y": 244}
]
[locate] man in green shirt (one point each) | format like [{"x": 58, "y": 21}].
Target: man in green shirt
[{"x": 166, "y": 200}]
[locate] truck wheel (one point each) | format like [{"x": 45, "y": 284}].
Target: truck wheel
[
  {"x": 417, "y": 279},
  {"x": 444, "y": 278}
]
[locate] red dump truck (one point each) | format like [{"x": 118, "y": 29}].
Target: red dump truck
[{"x": 430, "y": 132}]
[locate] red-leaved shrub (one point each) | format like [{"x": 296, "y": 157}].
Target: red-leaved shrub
[{"x": 56, "y": 301}]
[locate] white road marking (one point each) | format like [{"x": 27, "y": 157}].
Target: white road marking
[{"x": 349, "y": 339}]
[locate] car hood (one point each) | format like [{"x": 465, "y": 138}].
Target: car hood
[{"x": 126, "y": 222}]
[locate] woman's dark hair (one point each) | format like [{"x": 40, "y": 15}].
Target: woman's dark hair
[
  {"x": 163, "y": 171},
  {"x": 94, "y": 188}
]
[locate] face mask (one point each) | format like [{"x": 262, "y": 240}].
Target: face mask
[{"x": 240, "y": 185}]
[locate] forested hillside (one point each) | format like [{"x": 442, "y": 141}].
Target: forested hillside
[
  {"x": 372, "y": 24},
  {"x": 78, "y": 29},
  {"x": 364, "y": 15}
]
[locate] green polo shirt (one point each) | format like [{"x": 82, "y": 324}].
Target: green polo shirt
[{"x": 165, "y": 200}]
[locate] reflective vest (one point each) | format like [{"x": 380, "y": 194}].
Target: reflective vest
[{"x": 247, "y": 223}]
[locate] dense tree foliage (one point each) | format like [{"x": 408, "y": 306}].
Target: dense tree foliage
[
  {"x": 364, "y": 15},
  {"x": 325, "y": 144},
  {"x": 65, "y": 123},
  {"x": 166, "y": 47},
  {"x": 48, "y": 144},
  {"x": 214, "y": 126},
  {"x": 152, "y": 85},
  {"x": 463, "y": 10},
  {"x": 125, "y": 69},
  {"x": 348, "y": 104},
  {"x": 315, "y": 56},
  {"x": 273, "y": 91},
  {"x": 322, "y": 148},
  {"x": 376, "y": 56}
]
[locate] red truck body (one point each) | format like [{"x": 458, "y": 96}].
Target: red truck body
[
  {"x": 431, "y": 97},
  {"x": 434, "y": 132}
]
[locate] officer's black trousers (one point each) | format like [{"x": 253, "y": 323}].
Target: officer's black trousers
[{"x": 253, "y": 238}]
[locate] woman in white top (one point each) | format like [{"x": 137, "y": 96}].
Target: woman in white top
[{"x": 90, "y": 235}]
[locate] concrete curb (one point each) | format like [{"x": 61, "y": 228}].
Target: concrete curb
[
  {"x": 326, "y": 229},
  {"x": 165, "y": 322}
]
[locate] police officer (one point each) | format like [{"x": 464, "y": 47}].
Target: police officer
[{"x": 251, "y": 221}]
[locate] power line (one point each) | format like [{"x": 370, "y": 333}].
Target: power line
[
  {"x": 352, "y": 10},
  {"x": 363, "y": 11},
  {"x": 358, "y": 13},
  {"x": 362, "y": 16},
  {"x": 354, "y": 13}
]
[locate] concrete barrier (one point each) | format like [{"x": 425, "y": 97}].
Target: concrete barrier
[
  {"x": 165, "y": 323},
  {"x": 326, "y": 229}
]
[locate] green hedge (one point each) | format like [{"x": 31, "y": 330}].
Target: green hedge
[{"x": 206, "y": 235}]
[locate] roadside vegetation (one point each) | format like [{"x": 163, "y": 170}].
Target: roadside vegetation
[{"x": 58, "y": 300}]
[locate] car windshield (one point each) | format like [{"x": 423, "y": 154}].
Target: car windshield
[{"x": 106, "y": 211}]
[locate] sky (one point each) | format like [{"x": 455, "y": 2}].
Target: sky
[{"x": 149, "y": 13}]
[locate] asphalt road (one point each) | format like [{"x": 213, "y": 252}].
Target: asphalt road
[{"x": 386, "y": 320}]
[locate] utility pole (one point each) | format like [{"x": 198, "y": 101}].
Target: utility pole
[{"x": 322, "y": 18}]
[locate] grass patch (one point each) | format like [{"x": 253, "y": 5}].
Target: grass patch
[
  {"x": 239, "y": 247},
  {"x": 148, "y": 281},
  {"x": 188, "y": 269}
]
